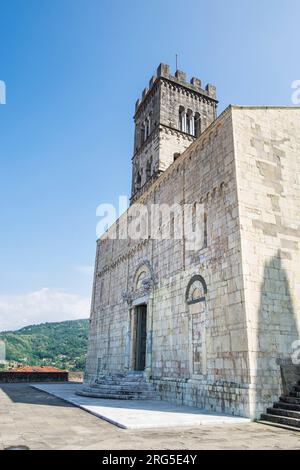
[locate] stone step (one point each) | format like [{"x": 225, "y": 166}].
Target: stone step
[
  {"x": 129, "y": 375},
  {"x": 133, "y": 385},
  {"x": 294, "y": 422},
  {"x": 286, "y": 406},
  {"x": 277, "y": 425},
  {"x": 116, "y": 390},
  {"x": 111, "y": 376},
  {"x": 124, "y": 379},
  {"x": 115, "y": 396},
  {"x": 119, "y": 392},
  {"x": 91, "y": 394},
  {"x": 283, "y": 412},
  {"x": 121, "y": 377},
  {"x": 117, "y": 382},
  {"x": 287, "y": 399},
  {"x": 136, "y": 373},
  {"x": 130, "y": 388}
]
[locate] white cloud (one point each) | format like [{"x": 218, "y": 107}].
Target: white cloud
[{"x": 44, "y": 305}]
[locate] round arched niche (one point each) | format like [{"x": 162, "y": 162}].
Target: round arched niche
[
  {"x": 143, "y": 277},
  {"x": 196, "y": 290}
]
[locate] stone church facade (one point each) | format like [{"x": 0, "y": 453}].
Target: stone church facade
[{"x": 211, "y": 327}]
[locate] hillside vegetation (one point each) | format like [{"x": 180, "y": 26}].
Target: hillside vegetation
[{"x": 61, "y": 344}]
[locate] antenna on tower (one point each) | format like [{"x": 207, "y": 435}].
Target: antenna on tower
[{"x": 176, "y": 55}]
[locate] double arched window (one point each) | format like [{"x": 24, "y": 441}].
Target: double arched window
[{"x": 189, "y": 122}]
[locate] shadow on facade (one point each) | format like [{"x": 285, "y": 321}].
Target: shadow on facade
[{"x": 274, "y": 330}]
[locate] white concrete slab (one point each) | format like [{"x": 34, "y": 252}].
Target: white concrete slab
[{"x": 138, "y": 414}]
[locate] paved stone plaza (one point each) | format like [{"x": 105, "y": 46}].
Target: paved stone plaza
[
  {"x": 41, "y": 421},
  {"x": 138, "y": 414}
]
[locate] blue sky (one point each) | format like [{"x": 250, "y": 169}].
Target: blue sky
[{"x": 73, "y": 71}]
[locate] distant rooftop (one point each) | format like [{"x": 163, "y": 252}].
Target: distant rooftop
[{"x": 35, "y": 369}]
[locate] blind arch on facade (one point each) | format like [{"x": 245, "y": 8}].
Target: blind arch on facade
[{"x": 196, "y": 290}]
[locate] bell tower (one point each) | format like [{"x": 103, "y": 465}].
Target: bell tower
[{"x": 169, "y": 116}]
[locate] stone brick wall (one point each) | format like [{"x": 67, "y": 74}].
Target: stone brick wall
[
  {"x": 214, "y": 375},
  {"x": 222, "y": 353},
  {"x": 267, "y": 145}
]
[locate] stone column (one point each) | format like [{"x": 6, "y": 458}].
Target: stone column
[
  {"x": 132, "y": 338},
  {"x": 148, "y": 368},
  {"x": 128, "y": 341}
]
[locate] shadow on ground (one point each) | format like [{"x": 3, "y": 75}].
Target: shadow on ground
[{"x": 24, "y": 393}]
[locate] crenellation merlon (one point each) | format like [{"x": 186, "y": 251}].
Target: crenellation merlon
[
  {"x": 163, "y": 70},
  {"x": 151, "y": 81},
  {"x": 180, "y": 78},
  {"x": 145, "y": 91},
  {"x": 196, "y": 82},
  {"x": 211, "y": 90}
]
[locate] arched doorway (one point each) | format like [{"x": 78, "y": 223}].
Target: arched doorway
[{"x": 140, "y": 315}]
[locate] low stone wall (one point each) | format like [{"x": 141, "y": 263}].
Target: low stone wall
[
  {"x": 229, "y": 398},
  {"x": 10, "y": 377}
]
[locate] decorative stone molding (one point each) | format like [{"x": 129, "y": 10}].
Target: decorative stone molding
[
  {"x": 143, "y": 282},
  {"x": 122, "y": 258},
  {"x": 196, "y": 290},
  {"x": 179, "y": 83}
]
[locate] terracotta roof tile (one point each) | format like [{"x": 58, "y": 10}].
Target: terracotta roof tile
[{"x": 35, "y": 369}]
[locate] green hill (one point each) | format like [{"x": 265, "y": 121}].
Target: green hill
[{"x": 62, "y": 344}]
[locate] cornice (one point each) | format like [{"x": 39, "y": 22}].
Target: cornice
[{"x": 189, "y": 89}]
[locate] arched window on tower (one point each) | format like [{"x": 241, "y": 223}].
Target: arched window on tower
[
  {"x": 197, "y": 125},
  {"x": 138, "y": 180},
  {"x": 192, "y": 125},
  {"x": 182, "y": 119},
  {"x": 149, "y": 168},
  {"x": 194, "y": 213},
  {"x": 205, "y": 230},
  {"x": 149, "y": 125},
  {"x": 142, "y": 133},
  {"x": 146, "y": 129},
  {"x": 189, "y": 122}
]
